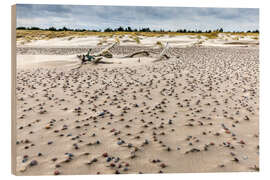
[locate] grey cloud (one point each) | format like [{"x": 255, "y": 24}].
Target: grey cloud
[{"x": 101, "y": 17}]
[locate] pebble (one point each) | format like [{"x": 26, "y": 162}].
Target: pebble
[
  {"x": 102, "y": 114},
  {"x": 120, "y": 142},
  {"x": 108, "y": 159},
  {"x": 163, "y": 165},
  {"x": 56, "y": 172},
  {"x": 24, "y": 160},
  {"x": 33, "y": 163}
]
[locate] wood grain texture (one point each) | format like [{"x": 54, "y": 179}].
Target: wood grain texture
[{"x": 13, "y": 89}]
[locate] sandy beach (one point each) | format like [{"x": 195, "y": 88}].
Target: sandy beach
[{"x": 197, "y": 111}]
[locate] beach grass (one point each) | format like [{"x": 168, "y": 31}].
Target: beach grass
[
  {"x": 159, "y": 43},
  {"x": 137, "y": 39},
  {"x": 29, "y": 35}
]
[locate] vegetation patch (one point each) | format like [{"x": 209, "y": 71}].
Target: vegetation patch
[
  {"x": 35, "y": 33},
  {"x": 159, "y": 43}
]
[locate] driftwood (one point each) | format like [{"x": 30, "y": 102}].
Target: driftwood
[
  {"x": 95, "y": 61},
  {"x": 105, "y": 52},
  {"x": 163, "y": 54},
  {"x": 98, "y": 56},
  {"x": 138, "y": 52}
]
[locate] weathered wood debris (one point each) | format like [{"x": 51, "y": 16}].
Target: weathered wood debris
[{"x": 105, "y": 53}]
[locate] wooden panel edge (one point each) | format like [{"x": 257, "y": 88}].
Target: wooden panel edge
[{"x": 13, "y": 90}]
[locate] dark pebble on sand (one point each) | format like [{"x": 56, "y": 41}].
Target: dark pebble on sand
[
  {"x": 108, "y": 159},
  {"x": 33, "y": 163},
  {"x": 56, "y": 172}
]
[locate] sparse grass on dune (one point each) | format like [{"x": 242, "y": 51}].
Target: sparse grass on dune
[
  {"x": 236, "y": 38},
  {"x": 242, "y": 33},
  {"x": 70, "y": 38},
  {"x": 117, "y": 40},
  {"x": 212, "y": 35},
  {"x": 255, "y": 38},
  {"x": 137, "y": 39},
  {"x": 102, "y": 41},
  {"x": 159, "y": 43},
  {"x": 200, "y": 42},
  {"x": 29, "y": 35}
]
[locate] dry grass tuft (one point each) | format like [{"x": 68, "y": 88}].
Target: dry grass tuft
[
  {"x": 236, "y": 38},
  {"x": 70, "y": 38},
  {"x": 159, "y": 43},
  {"x": 212, "y": 35},
  {"x": 137, "y": 39}
]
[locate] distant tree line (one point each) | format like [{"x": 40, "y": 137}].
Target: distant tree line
[
  {"x": 55, "y": 29},
  {"x": 129, "y": 29}
]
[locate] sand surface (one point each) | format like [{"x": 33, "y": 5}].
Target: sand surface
[
  {"x": 195, "y": 112},
  {"x": 174, "y": 41}
]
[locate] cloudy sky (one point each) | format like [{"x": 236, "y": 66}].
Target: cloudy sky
[{"x": 167, "y": 18}]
